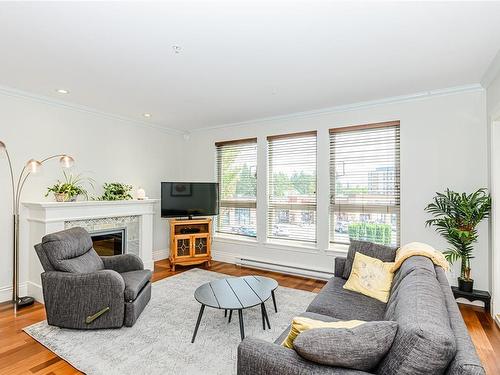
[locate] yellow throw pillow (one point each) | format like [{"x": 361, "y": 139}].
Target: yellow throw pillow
[
  {"x": 300, "y": 324},
  {"x": 371, "y": 277}
]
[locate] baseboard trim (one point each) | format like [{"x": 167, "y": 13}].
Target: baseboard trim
[
  {"x": 270, "y": 266},
  {"x": 497, "y": 320},
  {"x": 6, "y": 292},
  {"x": 160, "y": 254},
  {"x": 35, "y": 290}
]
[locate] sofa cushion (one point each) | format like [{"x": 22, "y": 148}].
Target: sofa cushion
[
  {"x": 86, "y": 263},
  {"x": 409, "y": 265},
  {"x": 370, "y": 277},
  {"x": 424, "y": 343},
  {"x": 310, "y": 315},
  {"x": 360, "y": 348},
  {"x": 69, "y": 244},
  {"x": 302, "y": 324},
  {"x": 134, "y": 282},
  {"x": 344, "y": 304},
  {"x": 382, "y": 252}
]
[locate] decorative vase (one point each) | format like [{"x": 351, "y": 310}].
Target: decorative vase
[
  {"x": 63, "y": 197},
  {"x": 60, "y": 197},
  {"x": 465, "y": 285}
]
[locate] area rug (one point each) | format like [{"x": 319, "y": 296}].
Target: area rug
[{"x": 160, "y": 341}]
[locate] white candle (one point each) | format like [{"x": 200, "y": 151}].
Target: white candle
[{"x": 141, "y": 194}]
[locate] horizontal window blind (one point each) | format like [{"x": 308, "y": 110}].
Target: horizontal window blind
[
  {"x": 365, "y": 183},
  {"x": 237, "y": 176},
  {"x": 292, "y": 187}
]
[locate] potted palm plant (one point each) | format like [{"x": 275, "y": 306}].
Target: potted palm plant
[
  {"x": 456, "y": 217},
  {"x": 69, "y": 188}
]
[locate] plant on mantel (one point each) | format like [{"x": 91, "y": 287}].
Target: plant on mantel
[
  {"x": 116, "y": 191},
  {"x": 70, "y": 187},
  {"x": 456, "y": 217}
]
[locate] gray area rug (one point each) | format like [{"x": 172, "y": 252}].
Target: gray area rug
[{"x": 160, "y": 341}]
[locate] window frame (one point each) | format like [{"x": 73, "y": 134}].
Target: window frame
[
  {"x": 236, "y": 204},
  {"x": 282, "y": 207},
  {"x": 363, "y": 208}
]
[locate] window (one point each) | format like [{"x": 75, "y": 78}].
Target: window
[
  {"x": 364, "y": 183},
  {"x": 237, "y": 176},
  {"x": 292, "y": 187}
]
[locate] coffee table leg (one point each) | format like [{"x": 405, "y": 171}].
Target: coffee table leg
[
  {"x": 225, "y": 313},
  {"x": 242, "y": 328},
  {"x": 274, "y": 301},
  {"x": 263, "y": 318},
  {"x": 202, "y": 308},
  {"x": 264, "y": 311},
  {"x": 230, "y": 315}
]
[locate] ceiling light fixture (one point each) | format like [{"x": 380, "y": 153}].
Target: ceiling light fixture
[
  {"x": 177, "y": 49},
  {"x": 62, "y": 91},
  {"x": 147, "y": 115}
]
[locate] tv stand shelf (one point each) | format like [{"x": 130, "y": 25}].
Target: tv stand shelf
[{"x": 190, "y": 242}]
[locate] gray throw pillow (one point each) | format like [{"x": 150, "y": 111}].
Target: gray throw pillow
[
  {"x": 358, "y": 348},
  {"x": 382, "y": 252}
]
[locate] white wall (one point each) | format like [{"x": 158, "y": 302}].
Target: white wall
[
  {"x": 443, "y": 144},
  {"x": 493, "y": 111},
  {"x": 104, "y": 148}
]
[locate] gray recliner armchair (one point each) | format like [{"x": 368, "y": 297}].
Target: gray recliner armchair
[{"x": 85, "y": 291}]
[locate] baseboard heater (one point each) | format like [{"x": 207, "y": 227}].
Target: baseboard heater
[{"x": 293, "y": 270}]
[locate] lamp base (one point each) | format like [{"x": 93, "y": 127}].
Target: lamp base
[{"x": 25, "y": 301}]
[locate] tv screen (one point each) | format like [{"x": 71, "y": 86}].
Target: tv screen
[{"x": 179, "y": 199}]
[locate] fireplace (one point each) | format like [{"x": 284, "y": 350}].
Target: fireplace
[{"x": 109, "y": 242}]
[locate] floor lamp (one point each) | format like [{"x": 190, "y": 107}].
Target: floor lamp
[{"x": 32, "y": 166}]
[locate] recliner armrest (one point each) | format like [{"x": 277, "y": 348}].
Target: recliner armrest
[
  {"x": 72, "y": 297},
  {"x": 123, "y": 263},
  {"x": 339, "y": 266}
]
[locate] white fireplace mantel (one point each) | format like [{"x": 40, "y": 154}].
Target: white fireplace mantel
[{"x": 41, "y": 218}]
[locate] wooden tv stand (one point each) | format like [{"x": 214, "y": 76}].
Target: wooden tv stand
[{"x": 190, "y": 242}]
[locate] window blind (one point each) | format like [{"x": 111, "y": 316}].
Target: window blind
[
  {"x": 365, "y": 183},
  {"x": 237, "y": 176},
  {"x": 292, "y": 187}
]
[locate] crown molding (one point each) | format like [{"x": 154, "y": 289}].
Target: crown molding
[
  {"x": 492, "y": 72},
  {"x": 19, "y": 94},
  {"x": 350, "y": 107}
]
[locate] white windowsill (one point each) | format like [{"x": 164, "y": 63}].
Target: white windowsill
[
  {"x": 235, "y": 239},
  {"x": 337, "y": 249},
  {"x": 334, "y": 250},
  {"x": 292, "y": 245}
]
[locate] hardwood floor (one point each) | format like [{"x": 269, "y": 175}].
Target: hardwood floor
[{"x": 20, "y": 354}]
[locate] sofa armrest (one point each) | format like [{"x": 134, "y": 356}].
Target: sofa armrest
[
  {"x": 258, "y": 357},
  {"x": 123, "y": 263},
  {"x": 339, "y": 266},
  {"x": 71, "y": 298}
]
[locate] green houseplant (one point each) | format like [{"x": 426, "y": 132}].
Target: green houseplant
[
  {"x": 115, "y": 191},
  {"x": 70, "y": 188},
  {"x": 456, "y": 217}
]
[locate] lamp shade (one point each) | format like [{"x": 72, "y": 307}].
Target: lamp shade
[
  {"x": 66, "y": 161},
  {"x": 33, "y": 166}
]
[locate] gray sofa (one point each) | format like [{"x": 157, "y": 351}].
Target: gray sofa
[
  {"x": 82, "y": 290},
  {"x": 431, "y": 337}
]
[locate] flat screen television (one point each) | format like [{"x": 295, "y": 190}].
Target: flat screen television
[{"x": 188, "y": 199}]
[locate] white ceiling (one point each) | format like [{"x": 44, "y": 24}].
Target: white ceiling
[{"x": 241, "y": 60}]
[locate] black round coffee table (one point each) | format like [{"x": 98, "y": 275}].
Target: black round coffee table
[{"x": 235, "y": 293}]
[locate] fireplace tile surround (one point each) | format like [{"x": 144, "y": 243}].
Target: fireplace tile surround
[
  {"x": 130, "y": 223},
  {"x": 41, "y": 218}
]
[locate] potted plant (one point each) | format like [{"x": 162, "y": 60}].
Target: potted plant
[
  {"x": 70, "y": 188},
  {"x": 456, "y": 217},
  {"x": 115, "y": 191}
]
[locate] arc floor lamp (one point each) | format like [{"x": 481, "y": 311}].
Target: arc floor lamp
[{"x": 32, "y": 166}]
